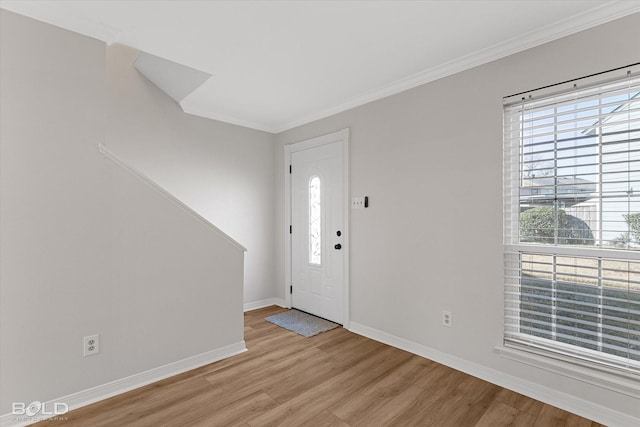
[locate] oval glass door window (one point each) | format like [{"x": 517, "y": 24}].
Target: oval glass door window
[{"x": 315, "y": 222}]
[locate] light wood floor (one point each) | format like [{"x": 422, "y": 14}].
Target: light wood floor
[{"x": 336, "y": 378}]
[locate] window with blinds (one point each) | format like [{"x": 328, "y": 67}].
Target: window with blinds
[{"x": 572, "y": 224}]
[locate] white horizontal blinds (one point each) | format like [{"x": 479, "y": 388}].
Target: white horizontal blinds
[
  {"x": 572, "y": 223},
  {"x": 582, "y": 303}
]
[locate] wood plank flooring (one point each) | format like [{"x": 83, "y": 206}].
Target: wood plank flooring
[{"x": 336, "y": 378}]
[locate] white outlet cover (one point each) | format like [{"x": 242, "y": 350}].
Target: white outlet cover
[
  {"x": 91, "y": 345},
  {"x": 447, "y": 318}
]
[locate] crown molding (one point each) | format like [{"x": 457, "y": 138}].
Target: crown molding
[
  {"x": 47, "y": 12},
  {"x": 195, "y": 111},
  {"x": 602, "y": 14}
]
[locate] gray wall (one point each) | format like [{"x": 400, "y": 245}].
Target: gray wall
[
  {"x": 222, "y": 171},
  {"x": 430, "y": 160},
  {"x": 85, "y": 246}
]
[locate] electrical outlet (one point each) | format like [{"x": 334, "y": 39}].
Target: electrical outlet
[
  {"x": 447, "y": 318},
  {"x": 91, "y": 345}
]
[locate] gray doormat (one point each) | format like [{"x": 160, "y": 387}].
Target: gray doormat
[{"x": 301, "y": 323}]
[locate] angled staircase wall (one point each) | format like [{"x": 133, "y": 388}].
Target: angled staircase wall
[{"x": 88, "y": 246}]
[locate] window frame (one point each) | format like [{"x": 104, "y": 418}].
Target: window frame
[{"x": 560, "y": 361}]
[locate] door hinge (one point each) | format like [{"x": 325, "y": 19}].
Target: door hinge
[
  {"x": 291, "y": 289},
  {"x": 290, "y": 229},
  {"x": 290, "y": 169}
]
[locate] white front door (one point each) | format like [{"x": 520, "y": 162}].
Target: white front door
[{"x": 317, "y": 234}]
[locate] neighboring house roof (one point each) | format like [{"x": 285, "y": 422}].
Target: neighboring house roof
[
  {"x": 569, "y": 190},
  {"x": 547, "y": 189}
]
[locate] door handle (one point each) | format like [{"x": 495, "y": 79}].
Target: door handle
[{"x": 338, "y": 246}]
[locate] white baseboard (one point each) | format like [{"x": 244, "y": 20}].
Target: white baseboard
[
  {"x": 104, "y": 391},
  {"x": 264, "y": 303},
  {"x": 591, "y": 410}
]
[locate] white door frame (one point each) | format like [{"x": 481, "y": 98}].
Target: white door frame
[{"x": 339, "y": 136}]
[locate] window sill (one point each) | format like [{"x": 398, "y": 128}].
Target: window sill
[{"x": 618, "y": 382}]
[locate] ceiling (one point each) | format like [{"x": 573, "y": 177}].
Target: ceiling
[{"x": 278, "y": 64}]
